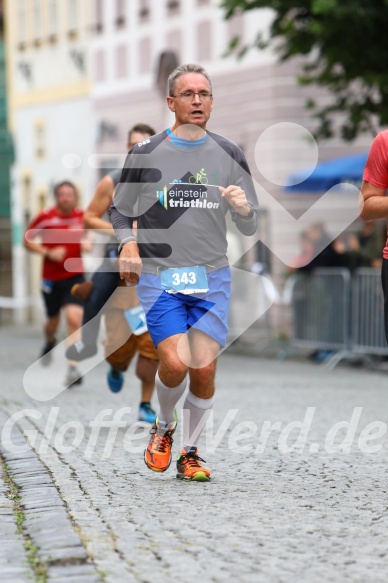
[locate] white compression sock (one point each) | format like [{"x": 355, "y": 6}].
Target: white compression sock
[
  {"x": 168, "y": 398},
  {"x": 196, "y": 412}
]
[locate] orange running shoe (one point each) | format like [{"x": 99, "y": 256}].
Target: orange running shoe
[
  {"x": 157, "y": 456},
  {"x": 189, "y": 466}
]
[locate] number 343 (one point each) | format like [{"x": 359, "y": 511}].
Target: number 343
[{"x": 185, "y": 277}]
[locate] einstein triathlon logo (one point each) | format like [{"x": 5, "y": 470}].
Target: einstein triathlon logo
[
  {"x": 189, "y": 192},
  {"x": 185, "y": 198}
]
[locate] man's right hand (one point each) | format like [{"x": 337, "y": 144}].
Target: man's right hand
[
  {"x": 57, "y": 254},
  {"x": 130, "y": 263}
]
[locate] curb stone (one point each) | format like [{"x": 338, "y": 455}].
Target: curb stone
[
  {"x": 46, "y": 522},
  {"x": 14, "y": 567}
]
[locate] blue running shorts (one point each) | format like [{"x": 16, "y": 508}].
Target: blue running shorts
[{"x": 169, "y": 314}]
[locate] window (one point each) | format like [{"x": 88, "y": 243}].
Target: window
[
  {"x": 167, "y": 62},
  {"x": 25, "y": 70},
  {"x": 99, "y": 66},
  {"x": 72, "y": 16},
  {"x": 42, "y": 197},
  {"x": 53, "y": 18},
  {"x": 22, "y": 22},
  {"x": 40, "y": 139},
  {"x": 26, "y": 195},
  {"x": 98, "y": 15},
  {"x": 121, "y": 61},
  {"x": 236, "y": 30},
  {"x": 145, "y": 55},
  {"x": 144, "y": 10},
  {"x": 120, "y": 13},
  {"x": 173, "y": 7},
  {"x": 204, "y": 36},
  {"x": 174, "y": 42},
  {"x": 37, "y": 21}
]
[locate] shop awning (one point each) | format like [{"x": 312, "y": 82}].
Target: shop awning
[{"x": 329, "y": 174}]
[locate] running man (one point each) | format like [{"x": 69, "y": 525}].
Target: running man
[
  {"x": 66, "y": 218},
  {"x": 102, "y": 296},
  {"x": 180, "y": 254},
  {"x": 374, "y": 190}
]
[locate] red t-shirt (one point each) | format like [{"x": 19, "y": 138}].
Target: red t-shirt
[
  {"x": 376, "y": 169},
  {"x": 46, "y": 226}
]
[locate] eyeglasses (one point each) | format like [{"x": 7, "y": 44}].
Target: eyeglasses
[{"x": 189, "y": 95}]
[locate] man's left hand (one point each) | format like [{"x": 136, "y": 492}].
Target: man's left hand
[{"x": 236, "y": 198}]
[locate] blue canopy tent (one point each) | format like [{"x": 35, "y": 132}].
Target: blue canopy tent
[{"x": 329, "y": 174}]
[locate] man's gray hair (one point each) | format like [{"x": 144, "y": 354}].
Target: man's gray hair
[{"x": 182, "y": 70}]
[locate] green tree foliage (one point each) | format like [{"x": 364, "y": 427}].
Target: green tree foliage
[{"x": 346, "y": 51}]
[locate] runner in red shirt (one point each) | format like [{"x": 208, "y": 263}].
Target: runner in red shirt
[
  {"x": 60, "y": 230},
  {"x": 374, "y": 189}
]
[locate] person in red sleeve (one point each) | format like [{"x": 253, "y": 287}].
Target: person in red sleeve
[
  {"x": 60, "y": 231},
  {"x": 375, "y": 202}
]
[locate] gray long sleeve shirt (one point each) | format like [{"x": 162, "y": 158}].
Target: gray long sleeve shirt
[{"x": 173, "y": 192}]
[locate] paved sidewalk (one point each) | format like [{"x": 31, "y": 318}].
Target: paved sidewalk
[{"x": 269, "y": 514}]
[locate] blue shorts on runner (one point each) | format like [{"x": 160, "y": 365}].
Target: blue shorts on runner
[{"x": 168, "y": 314}]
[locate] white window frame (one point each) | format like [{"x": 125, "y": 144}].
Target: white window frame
[
  {"x": 40, "y": 139},
  {"x": 98, "y": 15},
  {"x": 72, "y": 14},
  {"x": 22, "y": 21},
  {"x": 37, "y": 19},
  {"x": 121, "y": 12},
  {"x": 144, "y": 10},
  {"x": 53, "y": 17}
]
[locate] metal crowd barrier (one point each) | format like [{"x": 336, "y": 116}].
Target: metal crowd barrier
[
  {"x": 368, "y": 335},
  {"x": 321, "y": 310},
  {"x": 334, "y": 310}
]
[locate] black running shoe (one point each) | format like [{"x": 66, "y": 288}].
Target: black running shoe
[
  {"x": 79, "y": 351},
  {"x": 46, "y": 356}
]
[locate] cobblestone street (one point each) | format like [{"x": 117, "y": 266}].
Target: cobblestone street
[{"x": 82, "y": 506}]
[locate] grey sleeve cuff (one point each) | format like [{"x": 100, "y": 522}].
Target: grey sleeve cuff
[
  {"x": 126, "y": 240},
  {"x": 249, "y": 217},
  {"x": 246, "y": 225}
]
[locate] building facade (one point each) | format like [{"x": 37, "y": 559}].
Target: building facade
[
  {"x": 50, "y": 115},
  {"x": 6, "y": 159},
  {"x": 251, "y": 96},
  {"x": 81, "y": 74}
]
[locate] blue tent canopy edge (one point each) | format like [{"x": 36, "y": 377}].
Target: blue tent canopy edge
[{"x": 328, "y": 174}]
